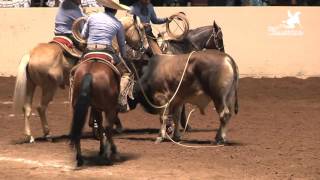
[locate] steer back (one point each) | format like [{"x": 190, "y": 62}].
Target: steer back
[{"x": 210, "y": 75}]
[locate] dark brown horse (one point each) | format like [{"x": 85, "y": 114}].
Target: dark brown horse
[{"x": 97, "y": 85}]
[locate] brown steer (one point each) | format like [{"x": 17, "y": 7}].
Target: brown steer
[{"x": 211, "y": 75}]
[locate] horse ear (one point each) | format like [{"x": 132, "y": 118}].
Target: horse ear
[
  {"x": 215, "y": 24},
  {"x": 135, "y": 18}
]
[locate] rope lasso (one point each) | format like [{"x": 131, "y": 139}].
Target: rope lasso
[{"x": 176, "y": 91}]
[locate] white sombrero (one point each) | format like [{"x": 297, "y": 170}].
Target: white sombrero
[{"x": 114, "y": 4}]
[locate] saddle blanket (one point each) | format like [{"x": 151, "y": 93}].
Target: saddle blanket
[
  {"x": 67, "y": 45},
  {"x": 98, "y": 55}
]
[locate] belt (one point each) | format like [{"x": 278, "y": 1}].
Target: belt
[{"x": 97, "y": 46}]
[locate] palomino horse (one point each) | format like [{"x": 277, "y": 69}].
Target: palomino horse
[
  {"x": 97, "y": 84},
  {"x": 47, "y": 67}
]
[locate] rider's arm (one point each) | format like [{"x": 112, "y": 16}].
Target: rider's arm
[
  {"x": 154, "y": 19},
  {"x": 121, "y": 41}
]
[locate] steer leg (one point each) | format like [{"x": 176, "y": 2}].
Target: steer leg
[
  {"x": 176, "y": 119},
  {"x": 163, "y": 128},
  {"x": 183, "y": 119},
  {"x": 224, "y": 116}
]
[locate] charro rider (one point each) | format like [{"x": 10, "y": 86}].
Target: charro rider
[
  {"x": 101, "y": 28},
  {"x": 145, "y": 11},
  {"x": 68, "y": 12}
]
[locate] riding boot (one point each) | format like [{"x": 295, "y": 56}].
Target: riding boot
[{"x": 126, "y": 86}]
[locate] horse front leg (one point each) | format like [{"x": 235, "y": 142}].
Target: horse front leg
[
  {"x": 118, "y": 124},
  {"x": 79, "y": 158}
]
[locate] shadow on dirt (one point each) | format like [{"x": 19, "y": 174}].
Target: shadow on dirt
[
  {"x": 53, "y": 139},
  {"x": 92, "y": 159},
  {"x": 208, "y": 142},
  {"x": 138, "y": 138},
  {"x": 156, "y": 131},
  {"x": 89, "y": 135}
]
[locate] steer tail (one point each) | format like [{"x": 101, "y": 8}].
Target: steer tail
[
  {"x": 81, "y": 109},
  {"x": 20, "y": 89},
  {"x": 235, "y": 84}
]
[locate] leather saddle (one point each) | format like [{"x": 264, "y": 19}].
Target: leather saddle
[
  {"x": 101, "y": 57},
  {"x": 67, "y": 45}
]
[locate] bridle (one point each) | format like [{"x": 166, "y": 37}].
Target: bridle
[
  {"x": 215, "y": 37},
  {"x": 142, "y": 38}
]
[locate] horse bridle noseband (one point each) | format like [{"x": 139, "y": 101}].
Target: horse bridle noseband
[{"x": 214, "y": 35}]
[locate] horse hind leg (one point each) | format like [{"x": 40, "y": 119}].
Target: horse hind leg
[
  {"x": 27, "y": 110},
  {"x": 47, "y": 96},
  {"x": 113, "y": 119}
]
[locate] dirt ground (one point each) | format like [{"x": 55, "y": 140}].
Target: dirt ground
[{"x": 275, "y": 136}]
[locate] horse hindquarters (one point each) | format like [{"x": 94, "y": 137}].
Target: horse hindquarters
[
  {"x": 79, "y": 114},
  {"x": 23, "y": 94}
]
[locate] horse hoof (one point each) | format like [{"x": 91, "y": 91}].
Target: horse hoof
[
  {"x": 80, "y": 163},
  {"x": 189, "y": 128},
  {"x": 30, "y": 139},
  {"x": 48, "y": 138},
  {"x": 114, "y": 150},
  {"x": 159, "y": 140},
  {"x": 115, "y": 157},
  {"x": 176, "y": 138},
  {"x": 119, "y": 130},
  {"x": 220, "y": 141}
]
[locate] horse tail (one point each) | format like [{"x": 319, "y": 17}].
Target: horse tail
[
  {"x": 20, "y": 88},
  {"x": 81, "y": 109},
  {"x": 235, "y": 84}
]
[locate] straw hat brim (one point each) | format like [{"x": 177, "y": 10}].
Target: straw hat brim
[{"x": 113, "y": 5}]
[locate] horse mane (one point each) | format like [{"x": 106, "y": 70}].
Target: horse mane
[
  {"x": 186, "y": 43},
  {"x": 198, "y": 31}
]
